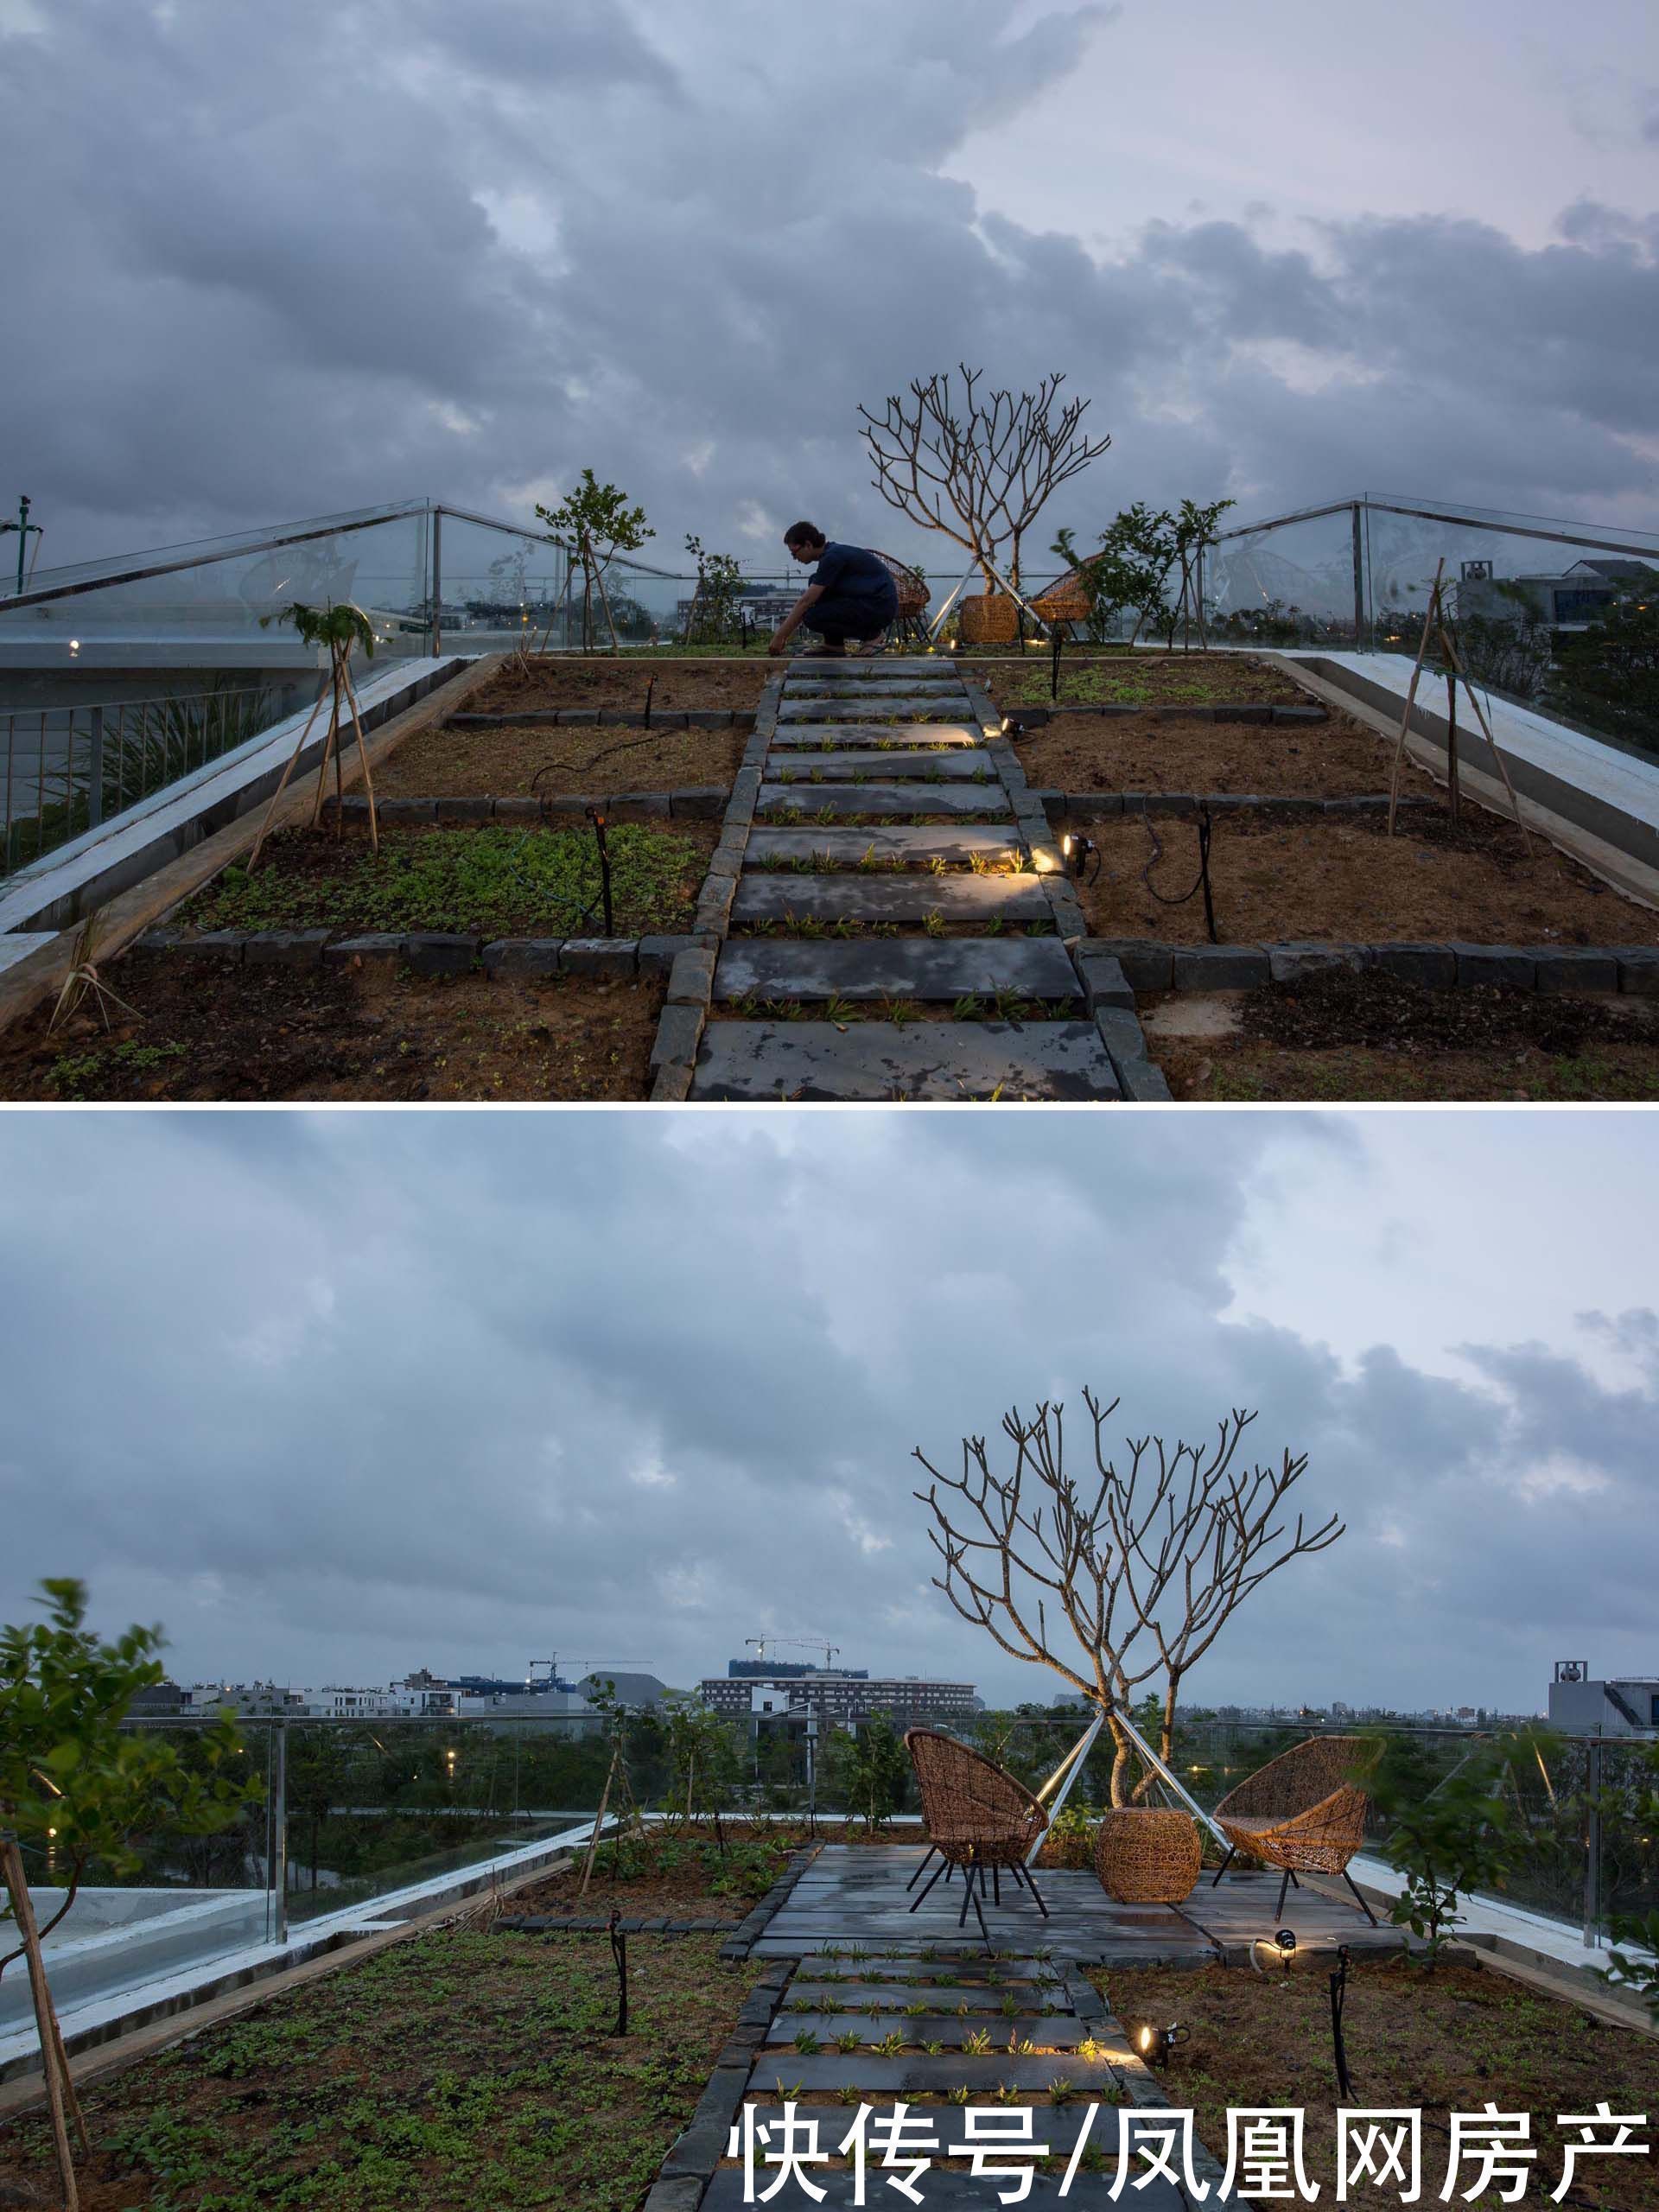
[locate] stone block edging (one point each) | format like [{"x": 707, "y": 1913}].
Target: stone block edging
[
  {"x": 1242, "y": 710},
  {"x": 1106, "y": 806},
  {"x": 755, "y": 1923},
  {"x": 570, "y": 1924},
  {"x": 607, "y": 718},
  {"x": 429, "y": 952},
  {"x": 1551, "y": 969},
  {"x": 695, "y": 802}
]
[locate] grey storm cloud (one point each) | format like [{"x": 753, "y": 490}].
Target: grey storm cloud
[
  {"x": 340, "y": 1395},
  {"x": 282, "y": 261}
]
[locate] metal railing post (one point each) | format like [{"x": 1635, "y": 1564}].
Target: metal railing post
[
  {"x": 95, "y": 772},
  {"x": 1359, "y": 578},
  {"x": 1591, "y": 1847},
  {"x": 437, "y": 581},
  {"x": 279, "y": 1830}
]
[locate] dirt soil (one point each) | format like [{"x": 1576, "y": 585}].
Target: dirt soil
[
  {"x": 1374, "y": 1037},
  {"x": 1447, "y": 2041},
  {"x": 452, "y": 2071},
  {"x": 574, "y": 680},
  {"x": 1087, "y": 753},
  {"x": 1334, "y": 879},
  {"x": 1156, "y": 679},
  {"x": 331, "y": 1034},
  {"x": 514, "y": 762}
]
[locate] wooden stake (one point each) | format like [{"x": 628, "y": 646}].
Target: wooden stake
[
  {"x": 1431, "y": 621},
  {"x": 330, "y": 743},
  {"x": 605, "y": 602},
  {"x": 276, "y": 797},
  {"x": 1456, "y": 660},
  {"x": 599, "y": 1821},
  {"x": 1451, "y": 791},
  {"x": 363, "y": 755},
  {"x": 11, "y": 1862}
]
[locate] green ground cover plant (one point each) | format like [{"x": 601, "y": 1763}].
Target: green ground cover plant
[
  {"x": 501, "y": 881},
  {"x": 455, "y": 2071}
]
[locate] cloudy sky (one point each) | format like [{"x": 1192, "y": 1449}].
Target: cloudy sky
[
  {"x": 273, "y": 261},
  {"x": 334, "y": 1396}
]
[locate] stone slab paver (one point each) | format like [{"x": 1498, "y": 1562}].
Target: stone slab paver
[
  {"x": 925, "y": 968},
  {"x": 884, "y": 799},
  {"x": 943, "y": 706},
  {"x": 833, "y": 736},
  {"x": 914, "y": 844},
  {"x": 960, "y": 764},
  {"x": 948, "y": 2028},
  {"x": 1016, "y": 1062},
  {"x": 886, "y": 897}
]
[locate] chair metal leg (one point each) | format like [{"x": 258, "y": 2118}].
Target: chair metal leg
[
  {"x": 1026, "y": 1876},
  {"x": 996, "y": 1883},
  {"x": 922, "y": 1869},
  {"x": 1359, "y": 1900},
  {"x": 985, "y": 1933},
  {"x": 968, "y": 1873},
  {"x": 943, "y": 1867},
  {"x": 1221, "y": 1869},
  {"x": 1283, "y": 1886}
]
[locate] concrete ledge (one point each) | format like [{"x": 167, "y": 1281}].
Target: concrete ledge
[
  {"x": 428, "y": 952},
  {"x": 693, "y": 802}
]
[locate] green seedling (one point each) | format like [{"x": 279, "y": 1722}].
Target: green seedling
[
  {"x": 807, "y": 2043},
  {"x": 966, "y": 1008},
  {"x": 1009, "y": 2008},
  {"x": 915, "y": 2011},
  {"x": 849, "y": 2094},
  {"x": 961, "y": 2094},
  {"x": 840, "y": 1009},
  {"x": 994, "y": 926},
  {"x": 978, "y": 2043},
  {"x": 900, "y": 1011},
  {"x": 847, "y": 2040},
  {"x": 1062, "y": 2090},
  {"x": 933, "y": 923},
  {"x": 807, "y": 924},
  {"x": 890, "y": 2046},
  {"x": 937, "y": 864},
  {"x": 934, "y": 2050}
]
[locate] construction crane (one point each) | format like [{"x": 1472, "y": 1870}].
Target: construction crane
[
  {"x": 586, "y": 1666},
  {"x": 831, "y": 1651}
]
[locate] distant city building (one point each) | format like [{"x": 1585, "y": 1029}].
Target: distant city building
[
  {"x": 248, "y": 1700},
  {"x": 836, "y": 1697},
  {"x": 1570, "y": 601},
  {"x": 1628, "y": 1705}
]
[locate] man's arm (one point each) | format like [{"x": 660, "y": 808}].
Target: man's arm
[{"x": 796, "y": 614}]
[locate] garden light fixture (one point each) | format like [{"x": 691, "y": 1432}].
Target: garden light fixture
[
  {"x": 1154, "y": 2044},
  {"x": 1013, "y": 727},
  {"x": 1077, "y": 849}
]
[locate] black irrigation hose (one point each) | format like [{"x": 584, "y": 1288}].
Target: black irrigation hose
[{"x": 1202, "y": 883}]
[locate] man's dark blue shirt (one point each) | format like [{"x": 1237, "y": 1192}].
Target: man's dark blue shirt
[{"x": 851, "y": 572}]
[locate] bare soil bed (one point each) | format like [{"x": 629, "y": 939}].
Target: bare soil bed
[
  {"x": 1376, "y": 1037},
  {"x": 1090, "y": 753},
  {"x": 452, "y": 2071},
  {"x": 517, "y": 761},
  {"x": 1447, "y": 2041},
  {"x": 242, "y": 1033},
  {"x": 1140, "y": 679},
  {"x": 576, "y": 680},
  {"x": 1332, "y": 878}
]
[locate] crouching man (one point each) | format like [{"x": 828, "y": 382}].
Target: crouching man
[{"x": 852, "y": 595}]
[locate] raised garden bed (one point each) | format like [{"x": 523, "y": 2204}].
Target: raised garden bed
[
  {"x": 1341, "y": 877},
  {"x": 1136, "y": 753},
  {"x": 1450, "y": 2040},
  {"x": 495, "y": 881},
  {"x": 375, "y": 1032},
  {"x": 1371, "y": 1036},
  {"x": 1138, "y": 678},
  {"x": 582, "y": 759},
  {"x": 449, "y": 2072},
  {"x": 577, "y": 680}
]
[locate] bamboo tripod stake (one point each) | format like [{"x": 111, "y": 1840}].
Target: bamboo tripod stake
[
  {"x": 340, "y": 687},
  {"x": 61, "y": 2101},
  {"x": 1435, "y": 625}
]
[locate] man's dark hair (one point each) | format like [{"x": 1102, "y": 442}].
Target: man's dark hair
[{"x": 804, "y": 533}]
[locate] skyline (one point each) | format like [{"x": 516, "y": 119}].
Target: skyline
[{"x": 339, "y": 1386}]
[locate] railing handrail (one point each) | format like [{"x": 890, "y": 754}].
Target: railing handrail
[{"x": 1491, "y": 518}]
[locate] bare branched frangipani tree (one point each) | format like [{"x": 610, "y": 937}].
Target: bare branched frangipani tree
[
  {"x": 1141, "y": 1565},
  {"x": 979, "y": 469}
]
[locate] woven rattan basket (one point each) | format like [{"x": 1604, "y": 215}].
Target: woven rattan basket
[
  {"x": 1147, "y": 1855},
  {"x": 988, "y": 620}
]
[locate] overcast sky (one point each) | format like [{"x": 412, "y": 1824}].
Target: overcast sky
[
  {"x": 334, "y": 1395},
  {"x": 264, "y": 262}
]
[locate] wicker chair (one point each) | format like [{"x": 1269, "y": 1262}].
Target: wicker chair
[
  {"x": 912, "y": 598},
  {"x": 1067, "y": 599},
  {"x": 977, "y": 1816},
  {"x": 1302, "y": 1811}
]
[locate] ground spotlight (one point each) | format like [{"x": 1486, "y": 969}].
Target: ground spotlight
[{"x": 1156, "y": 2043}]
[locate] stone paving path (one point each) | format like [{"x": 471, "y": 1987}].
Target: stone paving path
[
  {"x": 882, "y": 796},
  {"x": 969, "y": 2049}
]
